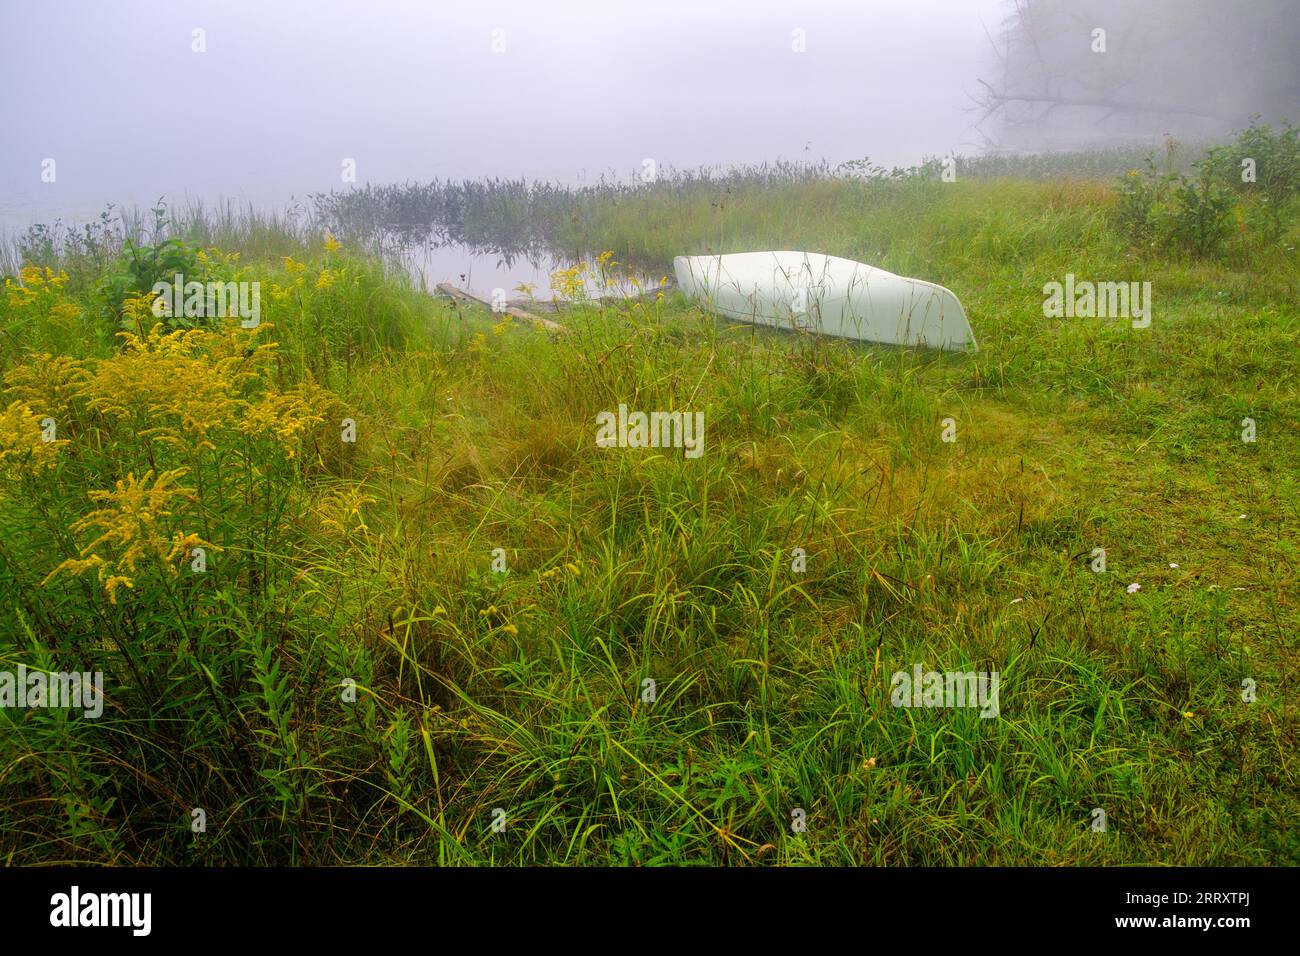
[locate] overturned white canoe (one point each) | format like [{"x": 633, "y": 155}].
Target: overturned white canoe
[{"x": 826, "y": 294}]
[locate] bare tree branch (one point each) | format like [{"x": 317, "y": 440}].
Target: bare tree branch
[{"x": 1119, "y": 106}]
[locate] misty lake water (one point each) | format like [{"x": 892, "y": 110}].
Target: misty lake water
[
  {"x": 473, "y": 269},
  {"x": 481, "y": 273}
]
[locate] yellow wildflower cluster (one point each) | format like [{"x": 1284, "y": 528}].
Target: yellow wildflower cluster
[
  {"x": 35, "y": 283},
  {"x": 175, "y": 380},
  {"x": 46, "y": 382},
  {"x": 133, "y": 530},
  {"x": 570, "y": 283},
  {"x": 138, "y": 308},
  {"x": 180, "y": 388},
  {"x": 286, "y": 416},
  {"x": 332, "y": 244},
  {"x": 24, "y": 448},
  {"x": 207, "y": 256},
  {"x": 64, "y": 313},
  {"x": 327, "y": 278},
  {"x": 607, "y": 265},
  {"x": 229, "y": 258},
  {"x": 41, "y": 294}
]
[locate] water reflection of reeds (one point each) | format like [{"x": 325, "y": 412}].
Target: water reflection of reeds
[
  {"x": 711, "y": 209},
  {"x": 520, "y": 218}
]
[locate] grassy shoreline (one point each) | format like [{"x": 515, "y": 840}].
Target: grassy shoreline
[{"x": 373, "y": 561}]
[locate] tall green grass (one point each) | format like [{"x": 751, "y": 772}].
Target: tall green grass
[{"x": 524, "y": 691}]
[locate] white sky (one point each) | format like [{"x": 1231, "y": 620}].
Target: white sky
[{"x": 411, "y": 90}]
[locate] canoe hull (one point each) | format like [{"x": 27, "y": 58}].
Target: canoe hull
[{"x": 826, "y": 295}]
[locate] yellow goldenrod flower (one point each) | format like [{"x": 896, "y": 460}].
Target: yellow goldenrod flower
[
  {"x": 164, "y": 385},
  {"x": 24, "y": 448},
  {"x": 285, "y": 417},
  {"x": 43, "y": 287},
  {"x": 570, "y": 283},
  {"x": 65, "y": 314},
  {"x": 48, "y": 382},
  {"x": 132, "y": 524}
]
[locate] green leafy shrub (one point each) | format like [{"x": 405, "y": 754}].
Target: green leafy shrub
[
  {"x": 1258, "y": 174},
  {"x": 1263, "y": 168},
  {"x": 1198, "y": 217},
  {"x": 1139, "y": 193},
  {"x": 142, "y": 265}
]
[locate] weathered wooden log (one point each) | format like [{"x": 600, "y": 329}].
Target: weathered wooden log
[{"x": 446, "y": 288}]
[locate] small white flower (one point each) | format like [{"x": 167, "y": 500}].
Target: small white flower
[
  {"x": 1242, "y": 517},
  {"x": 1173, "y": 564},
  {"x": 1134, "y": 587}
]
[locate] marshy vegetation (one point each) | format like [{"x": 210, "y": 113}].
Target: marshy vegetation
[{"x": 353, "y": 678}]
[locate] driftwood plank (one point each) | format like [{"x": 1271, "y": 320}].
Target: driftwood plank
[{"x": 446, "y": 288}]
